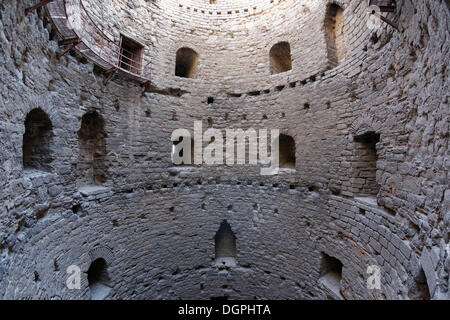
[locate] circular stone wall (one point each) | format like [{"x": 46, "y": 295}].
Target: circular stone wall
[{"x": 369, "y": 187}]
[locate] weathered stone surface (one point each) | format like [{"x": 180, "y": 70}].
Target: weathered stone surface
[{"x": 158, "y": 221}]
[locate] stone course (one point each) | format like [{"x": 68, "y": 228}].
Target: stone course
[{"x": 154, "y": 223}]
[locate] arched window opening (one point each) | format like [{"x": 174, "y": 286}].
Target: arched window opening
[
  {"x": 331, "y": 275},
  {"x": 98, "y": 279},
  {"x": 225, "y": 245},
  {"x": 280, "y": 58},
  {"x": 334, "y": 34},
  {"x": 186, "y": 63},
  {"x": 365, "y": 180},
  {"x": 92, "y": 148},
  {"x": 287, "y": 151},
  {"x": 36, "y": 143}
]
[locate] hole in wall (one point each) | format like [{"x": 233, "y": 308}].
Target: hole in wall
[
  {"x": 92, "y": 166},
  {"x": 374, "y": 38},
  {"x": 331, "y": 274},
  {"x": 76, "y": 208},
  {"x": 186, "y": 63},
  {"x": 37, "y": 139},
  {"x": 98, "y": 279},
  {"x": 280, "y": 58},
  {"x": 287, "y": 151},
  {"x": 55, "y": 265},
  {"x": 225, "y": 245},
  {"x": 335, "y": 37},
  {"x": 366, "y": 163},
  {"x": 419, "y": 289},
  {"x": 41, "y": 214}
]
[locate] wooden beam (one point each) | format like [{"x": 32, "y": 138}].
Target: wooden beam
[
  {"x": 109, "y": 75},
  {"x": 387, "y": 9},
  {"x": 146, "y": 85},
  {"x": 385, "y": 6},
  {"x": 40, "y": 4},
  {"x": 386, "y": 20},
  {"x": 65, "y": 42},
  {"x": 389, "y": 22},
  {"x": 74, "y": 44}
]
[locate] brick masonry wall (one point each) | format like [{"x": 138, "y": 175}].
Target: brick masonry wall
[{"x": 155, "y": 223}]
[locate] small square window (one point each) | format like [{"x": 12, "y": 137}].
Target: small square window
[{"x": 131, "y": 55}]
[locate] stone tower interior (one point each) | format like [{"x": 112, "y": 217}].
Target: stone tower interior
[{"x": 94, "y": 89}]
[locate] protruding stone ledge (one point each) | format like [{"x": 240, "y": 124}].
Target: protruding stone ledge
[
  {"x": 36, "y": 177},
  {"x": 93, "y": 191},
  {"x": 286, "y": 171},
  {"x": 228, "y": 262},
  {"x": 331, "y": 285}
]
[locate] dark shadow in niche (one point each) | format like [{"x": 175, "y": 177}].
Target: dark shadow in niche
[
  {"x": 335, "y": 40},
  {"x": 280, "y": 58},
  {"x": 331, "y": 275},
  {"x": 225, "y": 246},
  {"x": 419, "y": 289},
  {"x": 366, "y": 163},
  {"x": 286, "y": 151},
  {"x": 186, "y": 63},
  {"x": 98, "y": 279},
  {"x": 37, "y": 141},
  {"x": 92, "y": 149}
]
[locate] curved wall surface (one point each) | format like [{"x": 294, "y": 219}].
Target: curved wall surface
[{"x": 383, "y": 204}]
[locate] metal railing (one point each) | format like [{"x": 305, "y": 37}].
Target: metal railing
[{"x": 73, "y": 21}]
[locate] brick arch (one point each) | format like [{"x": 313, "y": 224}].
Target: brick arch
[
  {"x": 101, "y": 252},
  {"x": 363, "y": 124}
]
